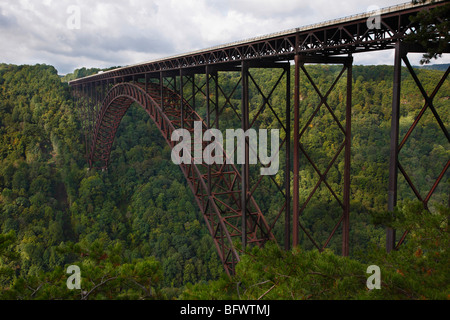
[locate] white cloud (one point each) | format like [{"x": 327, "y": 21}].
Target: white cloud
[{"x": 122, "y": 32}]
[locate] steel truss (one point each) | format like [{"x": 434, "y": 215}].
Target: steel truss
[
  {"x": 401, "y": 52},
  {"x": 338, "y": 37},
  {"x": 177, "y": 92},
  {"x": 344, "y": 200}
]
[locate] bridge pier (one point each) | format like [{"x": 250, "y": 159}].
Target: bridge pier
[
  {"x": 249, "y": 183},
  {"x": 344, "y": 201},
  {"x": 244, "y": 167},
  {"x": 395, "y": 123},
  {"x": 401, "y": 55}
]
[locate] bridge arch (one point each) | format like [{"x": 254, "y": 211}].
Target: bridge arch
[{"x": 216, "y": 188}]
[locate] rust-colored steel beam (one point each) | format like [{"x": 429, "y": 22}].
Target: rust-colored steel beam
[
  {"x": 296, "y": 164},
  {"x": 347, "y": 163},
  {"x": 245, "y": 166},
  {"x": 395, "y": 129},
  {"x": 287, "y": 181}
]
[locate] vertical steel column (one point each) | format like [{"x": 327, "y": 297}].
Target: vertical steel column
[
  {"x": 174, "y": 78},
  {"x": 348, "y": 143},
  {"x": 96, "y": 97},
  {"x": 105, "y": 89},
  {"x": 93, "y": 104},
  {"x": 210, "y": 201},
  {"x": 89, "y": 94},
  {"x": 295, "y": 197},
  {"x": 86, "y": 115},
  {"x": 287, "y": 215},
  {"x": 245, "y": 166},
  {"x": 146, "y": 82},
  {"x": 208, "y": 104},
  {"x": 78, "y": 105},
  {"x": 91, "y": 121},
  {"x": 82, "y": 99},
  {"x": 193, "y": 93},
  {"x": 161, "y": 88},
  {"x": 102, "y": 91},
  {"x": 217, "y": 98},
  {"x": 208, "y": 123},
  {"x": 181, "y": 99},
  {"x": 393, "y": 161}
]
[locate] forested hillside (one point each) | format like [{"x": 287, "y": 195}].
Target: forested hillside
[{"x": 135, "y": 230}]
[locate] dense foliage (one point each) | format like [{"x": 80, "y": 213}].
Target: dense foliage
[
  {"x": 136, "y": 232},
  {"x": 419, "y": 270},
  {"x": 431, "y": 35}
]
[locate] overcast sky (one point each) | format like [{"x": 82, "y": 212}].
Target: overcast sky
[{"x": 70, "y": 34}]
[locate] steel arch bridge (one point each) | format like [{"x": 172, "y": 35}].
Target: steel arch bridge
[{"x": 179, "y": 91}]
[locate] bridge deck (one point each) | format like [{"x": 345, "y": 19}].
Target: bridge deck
[{"x": 334, "y": 37}]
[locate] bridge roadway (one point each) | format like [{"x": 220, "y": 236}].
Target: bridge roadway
[
  {"x": 168, "y": 90},
  {"x": 331, "y": 38}
]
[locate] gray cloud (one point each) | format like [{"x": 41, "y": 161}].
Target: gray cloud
[{"x": 7, "y": 21}]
